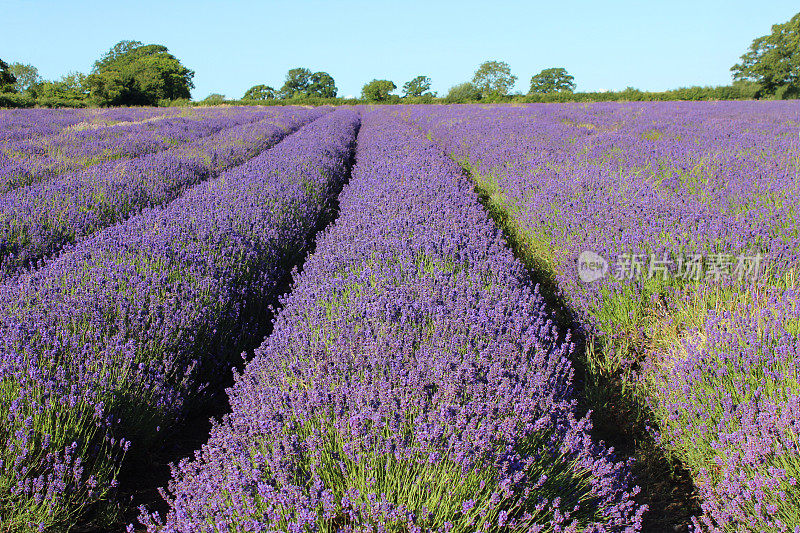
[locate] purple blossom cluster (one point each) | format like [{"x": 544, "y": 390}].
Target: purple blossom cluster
[
  {"x": 33, "y": 158},
  {"x": 111, "y": 343},
  {"x": 413, "y": 381},
  {"x": 731, "y": 392},
  {"x": 38, "y": 220},
  {"x": 655, "y": 178},
  {"x": 17, "y": 124},
  {"x": 670, "y": 178}
]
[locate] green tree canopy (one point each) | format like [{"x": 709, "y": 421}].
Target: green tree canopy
[
  {"x": 463, "y": 93},
  {"x": 297, "y": 82},
  {"x": 494, "y": 77},
  {"x": 552, "y": 80},
  {"x": 377, "y": 90},
  {"x": 773, "y": 61},
  {"x": 71, "y": 86},
  {"x": 7, "y": 79},
  {"x": 259, "y": 92},
  {"x": 322, "y": 85},
  {"x": 214, "y": 99},
  {"x": 419, "y": 86},
  {"x": 28, "y": 79},
  {"x": 301, "y": 82},
  {"x": 131, "y": 73}
]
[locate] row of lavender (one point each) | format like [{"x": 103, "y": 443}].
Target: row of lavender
[
  {"x": 108, "y": 346},
  {"x": 32, "y": 158},
  {"x": 26, "y": 123},
  {"x": 693, "y": 207},
  {"x": 413, "y": 381},
  {"x": 38, "y": 220}
]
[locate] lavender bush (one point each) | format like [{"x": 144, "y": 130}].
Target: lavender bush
[
  {"x": 109, "y": 345},
  {"x": 17, "y": 124},
  {"x": 729, "y": 401},
  {"x": 716, "y": 181},
  {"x": 33, "y": 158},
  {"x": 412, "y": 382},
  {"x": 38, "y": 220}
]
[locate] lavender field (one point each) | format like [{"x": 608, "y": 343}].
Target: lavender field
[{"x": 498, "y": 318}]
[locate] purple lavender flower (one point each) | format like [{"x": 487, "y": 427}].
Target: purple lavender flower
[
  {"x": 413, "y": 381},
  {"x": 110, "y": 344}
]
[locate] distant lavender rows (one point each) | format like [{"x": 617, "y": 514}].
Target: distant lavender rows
[
  {"x": 107, "y": 346},
  {"x": 679, "y": 178},
  {"x": 639, "y": 178},
  {"x": 412, "y": 382},
  {"x": 38, "y": 220},
  {"x": 18, "y": 124},
  {"x": 33, "y": 158}
]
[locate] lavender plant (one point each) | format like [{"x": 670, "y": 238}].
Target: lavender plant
[
  {"x": 729, "y": 399},
  {"x": 413, "y": 381},
  {"x": 18, "y": 124},
  {"x": 111, "y": 344},
  {"x": 694, "y": 180},
  {"x": 33, "y": 158},
  {"x": 38, "y": 220}
]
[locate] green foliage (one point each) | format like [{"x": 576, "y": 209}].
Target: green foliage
[
  {"x": 179, "y": 102},
  {"x": 773, "y": 61},
  {"x": 7, "y": 78},
  {"x": 552, "y": 80},
  {"x": 16, "y": 100},
  {"x": 297, "y": 82},
  {"x": 419, "y": 86},
  {"x": 70, "y": 91},
  {"x": 27, "y": 78},
  {"x": 322, "y": 85},
  {"x": 135, "y": 74},
  {"x": 427, "y": 98},
  {"x": 494, "y": 77},
  {"x": 214, "y": 99},
  {"x": 377, "y": 90},
  {"x": 787, "y": 92},
  {"x": 463, "y": 93},
  {"x": 740, "y": 90},
  {"x": 301, "y": 82},
  {"x": 259, "y": 92}
]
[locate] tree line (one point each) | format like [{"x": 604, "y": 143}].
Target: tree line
[
  {"x": 132, "y": 73},
  {"x": 129, "y": 74}
]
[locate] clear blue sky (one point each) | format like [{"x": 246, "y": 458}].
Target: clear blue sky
[{"x": 235, "y": 44}]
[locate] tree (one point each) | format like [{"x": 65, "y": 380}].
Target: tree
[
  {"x": 301, "y": 82},
  {"x": 7, "y": 78},
  {"x": 297, "y": 82},
  {"x": 28, "y": 79},
  {"x": 71, "y": 86},
  {"x": 377, "y": 90},
  {"x": 259, "y": 92},
  {"x": 131, "y": 73},
  {"x": 117, "y": 52},
  {"x": 494, "y": 77},
  {"x": 463, "y": 93},
  {"x": 773, "y": 61},
  {"x": 552, "y": 80},
  {"x": 214, "y": 99},
  {"x": 419, "y": 86},
  {"x": 321, "y": 84}
]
